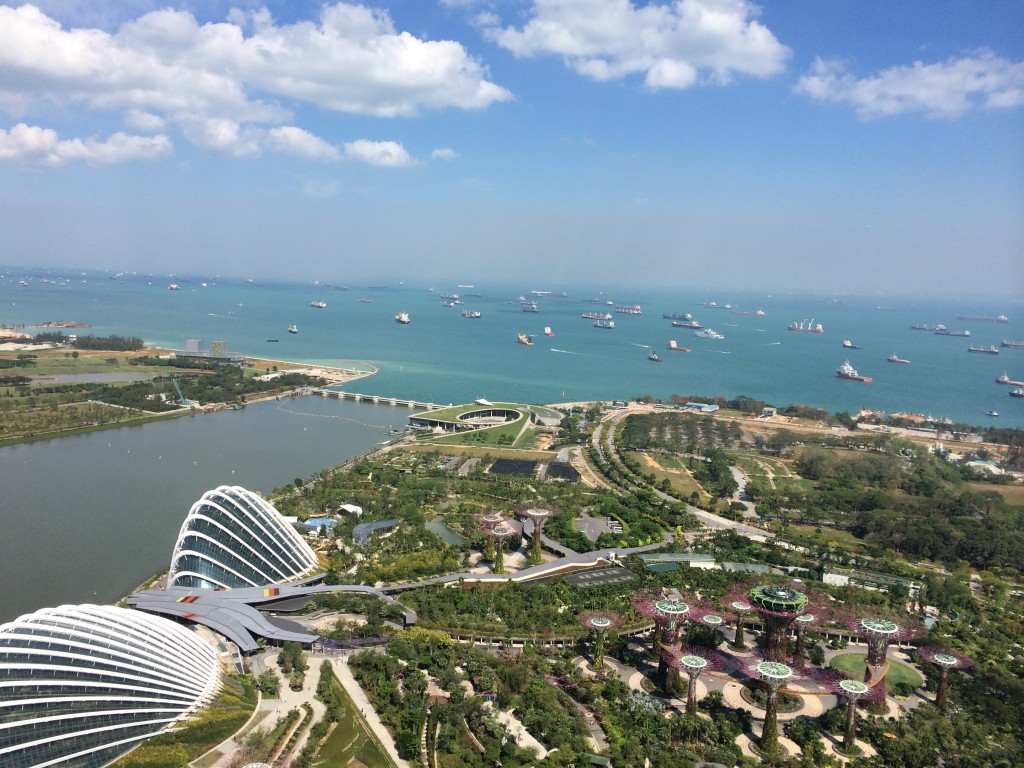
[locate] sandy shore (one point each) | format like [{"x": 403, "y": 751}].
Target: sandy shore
[{"x": 334, "y": 374}]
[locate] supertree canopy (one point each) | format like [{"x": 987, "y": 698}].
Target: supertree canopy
[
  {"x": 774, "y": 675},
  {"x": 599, "y": 622},
  {"x": 817, "y": 611},
  {"x": 778, "y": 608},
  {"x": 693, "y": 661},
  {"x": 538, "y": 516},
  {"x": 879, "y": 630},
  {"x": 738, "y": 603},
  {"x": 945, "y": 660},
  {"x": 668, "y": 614},
  {"x": 499, "y": 527}
]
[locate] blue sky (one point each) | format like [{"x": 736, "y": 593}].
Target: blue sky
[{"x": 857, "y": 147}]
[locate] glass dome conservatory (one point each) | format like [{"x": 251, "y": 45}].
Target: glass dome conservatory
[
  {"x": 233, "y": 538},
  {"x": 82, "y": 684}
]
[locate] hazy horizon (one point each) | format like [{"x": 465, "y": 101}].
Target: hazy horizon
[{"x": 848, "y": 148}]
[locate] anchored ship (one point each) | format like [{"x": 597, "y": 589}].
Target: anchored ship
[
  {"x": 1004, "y": 379},
  {"x": 403, "y": 318},
  {"x": 847, "y": 344},
  {"x": 1010, "y": 343},
  {"x": 524, "y": 339},
  {"x": 633, "y": 309},
  {"x": 893, "y": 358},
  {"x": 596, "y": 315},
  {"x": 677, "y": 316},
  {"x": 941, "y": 330},
  {"x": 293, "y": 329},
  {"x": 604, "y": 324},
  {"x": 318, "y": 304},
  {"x": 806, "y": 327},
  {"x": 984, "y": 318},
  {"x": 983, "y": 351},
  {"x": 676, "y": 348},
  {"x": 694, "y": 324},
  {"x": 548, "y": 331},
  {"x": 471, "y": 313},
  {"x": 1018, "y": 392},
  {"x": 847, "y": 371},
  {"x": 653, "y": 356},
  {"x": 709, "y": 333},
  {"x": 530, "y": 306}
]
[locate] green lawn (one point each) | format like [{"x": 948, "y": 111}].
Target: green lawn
[
  {"x": 853, "y": 665},
  {"x": 350, "y": 740}
]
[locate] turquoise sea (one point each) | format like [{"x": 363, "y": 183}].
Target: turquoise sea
[{"x": 443, "y": 357}]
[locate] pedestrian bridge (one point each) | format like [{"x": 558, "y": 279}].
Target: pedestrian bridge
[{"x": 378, "y": 399}]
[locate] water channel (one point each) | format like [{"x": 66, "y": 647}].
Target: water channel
[{"x": 89, "y": 517}]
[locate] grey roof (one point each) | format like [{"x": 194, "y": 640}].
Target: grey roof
[
  {"x": 235, "y": 613},
  {"x": 361, "y": 533}
]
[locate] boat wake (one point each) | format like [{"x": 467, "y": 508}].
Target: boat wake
[
  {"x": 759, "y": 330},
  {"x": 774, "y": 343},
  {"x": 581, "y": 354},
  {"x": 642, "y": 346}
]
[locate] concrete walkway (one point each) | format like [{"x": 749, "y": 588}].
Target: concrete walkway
[{"x": 358, "y": 695}]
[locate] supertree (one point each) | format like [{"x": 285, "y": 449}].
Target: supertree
[
  {"x": 817, "y": 611},
  {"x": 851, "y": 690},
  {"x": 945, "y": 660},
  {"x": 498, "y": 527},
  {"x": 711, "y": 622},
  {"x": 880, "y": 629},
  {"x": 538, "y": 516},
  {"x": 778, "y": 608},
  {"x": 773, "y": 675},
  {"x": 600, "y": 622},
  {"x": 738, "y": 604},
  {"x": 668, "y": 614},
  {"x": 692, "y": 661}
]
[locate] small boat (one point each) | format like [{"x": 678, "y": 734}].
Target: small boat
[
  {"x": 847, "y": 371},
  {"x": 548, "y": 331},
  {"x": 992, "y": 413},
  {"x": 293, "y": 329},
  {"x": 604, "y": 324},
  {"x": 1018, "y": 392},
  {"x": 524, "y": 339},
  {"x": 983, "y": 351},
  {"x": 653, "y": 356},
  {"x": 847, "y": 344},
  {"x": 676, "y": 348},
  {"x": 171, "y": 287},
  {"x": 473, "y": 314},
  {"x": 403, "y": 318},
  {"x": 893, "y": 358},
  {"x": 271, "y": 340},
  {"x": 366, "y": 301},
  {"x": 1004, "y": 379},
  {"x": 318, "y": 304}
]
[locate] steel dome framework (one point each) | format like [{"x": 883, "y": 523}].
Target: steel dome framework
[
  {"x": 233, "y": 538},
  {"x": 81, "y": 685}
]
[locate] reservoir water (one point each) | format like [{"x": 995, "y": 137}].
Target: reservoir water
[{"x": 89, "y": 517}]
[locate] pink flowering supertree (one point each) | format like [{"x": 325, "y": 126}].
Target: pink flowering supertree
[
  {"x": 945, "y": 660},
  {"x": 853, "y": 691},
  {"x": 599, "y": 622},
  {"x": 773, "y": 675},
  {"x": 693, "y": 661},
  {"x": 538, "y": 516},
  {"x": 778, "y": 608},
  {"x": 498, "y": 527},
  {"x": 668, "y": 614},
  {"x": 880, "y": 629},
  {"x": 819, "y": 610},
  {"x": 738, "y": 603}
]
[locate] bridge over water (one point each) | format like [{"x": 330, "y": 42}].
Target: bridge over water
[{"x": 377, "y": 399}]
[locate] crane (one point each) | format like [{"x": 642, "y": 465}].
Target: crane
[{"x": 184, "y": 400}]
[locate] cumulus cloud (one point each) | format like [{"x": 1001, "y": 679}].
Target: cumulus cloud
[
  {"x": 289, "y": 140},
  {"x": 672, "y": 44},
  {"x": 390, "y": 154},
  {"x": 443, "y": 153},
  {"x": 228, "y": 85},
  {"x": 32, "y": 145},
  {"x": 946, "y": 89}
]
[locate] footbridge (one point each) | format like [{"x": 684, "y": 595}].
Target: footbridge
[{"x": 377, "y": 399}]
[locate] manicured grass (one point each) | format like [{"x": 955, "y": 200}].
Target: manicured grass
[
  {"x": 351, "y": 740},
  {"x": 487, "y": 436},
  {"x": 682, "y": 481},
  {"x": 853, "y": 665}
]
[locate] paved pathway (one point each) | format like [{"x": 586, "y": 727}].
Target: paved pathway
[{"x": 358, "y": 695}]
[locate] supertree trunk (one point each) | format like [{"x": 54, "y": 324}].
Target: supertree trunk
[
  {"x": 691, "y": 696},
  {"x": 770, "y": 734},
  {"x": 740, "y": 643},
  {"x": 798, "y": 653},
  {"x": 943, "y": 689},
  {"x": 776, "y": 640},
  {"x": 851, "y": 724},
  {"x": 599, "y": 651},
  {"x": 499, "y": 557}
]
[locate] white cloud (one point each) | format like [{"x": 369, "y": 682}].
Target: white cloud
[
  {"x": 673, "y": 45},
  {"x": 947, "y": 89},
  {"x": 227, "y": 85},
  {"x": 443, "y": 153},
  {"x": 32, "y": 145},
  {"x": 384, "y": 153},
  {"x": 289, "y": 140}
]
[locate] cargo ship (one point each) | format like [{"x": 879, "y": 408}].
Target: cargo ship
[
  {"x": 1018, "y": 392},
  {"x": 471, "y": 313},
  {"x": 604, "y": 324},
  {"x": 984, "y": 318},
  {"x": 676, "y": 348},
  {"x": 318, "y": 304},
  {"x": 633, "y": 309},
  {"x": 943, "y": 331},
  {"x": 758, "y": 313},
  {"x": 847, "y": 344},
  {"x": 596, "y": 315},
  {"x": 847, "y": 371},
  {"x": 1011, "y": 344},
  {"x": 548, "y": 331},
  {"x": 524, "y": 339},
  {"x": 806, "y": 327},
  {"x": 293, "y": 329},
  {"x": 677, "y": 316},
  {"x": 1004, "y": 379},
  {"x": 653, "y": 356},
  {"x": 694, "y": 324},
  {"x": 709, "y": 333},
  {"x": 403, "y": 318},
  {"x": 983, "y": 351},
  {"x": 530, "y": 306},
  {"x": 894, "y": 358}
]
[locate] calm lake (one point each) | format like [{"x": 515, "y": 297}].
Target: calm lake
[{"x": 87, "y": 518}]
